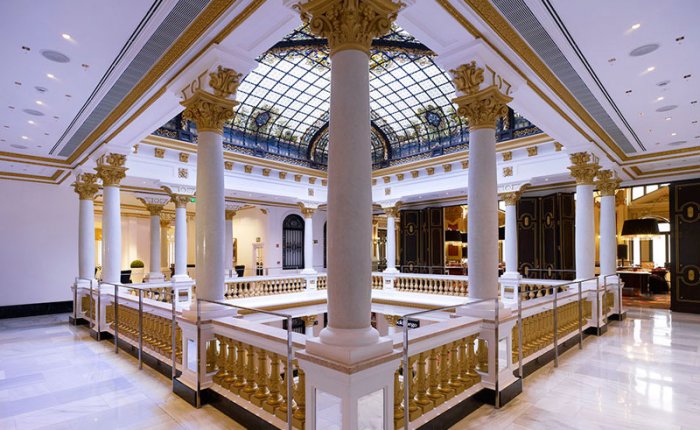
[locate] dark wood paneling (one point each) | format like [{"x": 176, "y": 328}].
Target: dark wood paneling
[
  {"x": 528, "y": 234},
  {"x": 410, "y": 253},
  {"x": 685, "y": 252},
  {"x": 422, "y": 240}
]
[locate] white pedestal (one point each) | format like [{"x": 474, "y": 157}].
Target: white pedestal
[{"x": 509, "y": 286}]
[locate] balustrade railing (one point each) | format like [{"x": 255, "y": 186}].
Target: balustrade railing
[
  {"x": 432, "y": 284},
  {"x": 322, "y": 282},
  {"x": 377, "y": 281},
  {"x": 253, "y": 286}
]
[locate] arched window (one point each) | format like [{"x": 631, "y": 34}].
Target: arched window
[{"x": 293, "y": 242}]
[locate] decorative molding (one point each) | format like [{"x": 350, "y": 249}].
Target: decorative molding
[
  {"x": 228, "y": 165},
  {"x": 110, "y": 168},
  {"x": 399, "y": 177},
  {"x": 387, "y": 191},
  {"x": 531, "y": 151},
  {"x": 415, "y": 173},
  {"x": 511, "y": 198},
  {"x": 266, "y": 172},
  {"x": 558, "y": 146},
  {"x": 248, "y": 168},
  {"x": 154, "y": 205},
  {"x": 386, "y": 179},
  {"x": 184, "y": 157},
  {"x": 297, "y": 178},
  {"x": 607, "y": 182},
  {"x": 447, "y": 167},
  {"x": 349, "y": 24},
  {"x": 507, "y": 171},
  {"x": 584, "y": 167},
  {"x": 430, "y": 170},
  {"x": 374, "y": 181},
  {"x": 324, "y": 182},
  {"x": 86, "y": 186},
  {"x": 159, "y": 152},
  {"x": 507, "y": 155},
  {"x": 311, "y": 192},
  {"x": 312, "y": 180},
  {"x": 282, "y": 175},
  {"x": 465, "y": 164}
]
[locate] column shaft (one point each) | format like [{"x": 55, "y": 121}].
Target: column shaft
[
  {"x": 308, "y": 244},
  {"x": 349, "y": 194},
  {"x": 585, "y": 230},
  {"x": 86, "y": 240},
  {"x": 181, "y": 244},
  {"x": 155, "y": 274},
  {"x": 111, "y": 234},
  {"x": 228, "y": 243},
  {"x": 511, "y": 242},
  {"x": 209, "y": 221},
  {"x": 482, "y": 223},
  {"x": 390, "y": 243}
]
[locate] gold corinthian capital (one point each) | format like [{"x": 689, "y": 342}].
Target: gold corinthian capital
[
  {"x": 480, "y": 107},
  {"x": 607, "y": 182},
  {"x": 210, "y": 111},
  {"x": 584, "y": 167},
  {"x": 86, "y": 186},
  {"x": 349, "y": 24},
  {"x": 110, "y": 168}
]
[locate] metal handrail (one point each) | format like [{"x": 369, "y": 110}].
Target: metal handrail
[
  {"x": 289, "y": 372},
  {"x": 619, "y": 290},
  {"x": 406, "y": 379}
]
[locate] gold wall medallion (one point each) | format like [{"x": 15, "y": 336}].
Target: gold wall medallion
[
  {"x": 507, "y": 171},
  {"x": 531, "y": 151},
  {"x": 182, "y": 173},
  {"x": 184, "y": 157},
  {"x": 159, "y": 152}
]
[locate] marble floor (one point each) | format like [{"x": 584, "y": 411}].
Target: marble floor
[{"x": 644, "y": 374}]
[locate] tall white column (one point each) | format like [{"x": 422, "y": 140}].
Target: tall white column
[
  {"x": 391, "y": 213},
  {"x": 511, "y": 242},
  {"x": 482, "y": 108},
  {"x": 154, "y": 205},
  {"x": 349, "y": 173},
  {"x": 165, "y": 220},
  {"x": 110, "y": 168},
  {"x": 180, "y": 201},
  {"x": 308, "y": 212},
  {"x": 584, "y": 169},
  {"x": 86, "y": 187},
  {"x": 228, "y": 239},
  {"x": 607, "y": 184},
  {"x": 210, "y": 106}
]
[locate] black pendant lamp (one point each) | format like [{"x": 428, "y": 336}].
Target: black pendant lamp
[{"x": 644, "y": 227}]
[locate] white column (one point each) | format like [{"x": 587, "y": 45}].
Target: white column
[
  {"x": 154, "y": 205},
  {"x": 607, "y": 184},
  {"x": 308, "y": 212},
  {"x": 482, "y": 108},
  {"x": 511, "y": 242},
  {"x": 228, "y": 239},
  {"x": 164, "y": 245},
  {"x": 583, "y": 169},
  {"x": 180, "y": 237},
  {"x": 86, "y": 187},
  {"x": 110, "y": 169},
  {"x": 391, "y": 214}
]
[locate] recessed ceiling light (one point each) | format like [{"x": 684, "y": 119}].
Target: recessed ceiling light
[
  {"x": 46, "y": 134},
  {"x": 651, "y": 69},
  {"x": 66, "y": 36},
  {"x": 668, "y": 118},
  {"x": 50, "y": 76},
  {"x": 673, "y": 134},
  {"x": 636, "y": 26},
  {"x": 25, "y": 138},
  {"x": 658, "y": 99},
  {"x": 612, "y": 60},
  {"x": 39, "y": 102},
  {"x": 31, "y": 122}
]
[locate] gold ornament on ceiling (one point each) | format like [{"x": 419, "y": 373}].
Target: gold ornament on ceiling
[
  {"x": 224, "y": 81},
  {"x": 467, "y": 78}
]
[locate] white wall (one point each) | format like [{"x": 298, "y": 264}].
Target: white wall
[{"x": 38, "y": 242}]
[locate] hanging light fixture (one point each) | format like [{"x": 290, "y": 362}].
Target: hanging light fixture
[{"x": 641, "y": 228}]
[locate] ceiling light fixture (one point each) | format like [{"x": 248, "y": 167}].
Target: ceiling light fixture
[
  {"x": 50, "y": 76},
  {"x": 39, "y": 102},
  {"x": 658, "y": 99},
  {"x": 668, "y": 118},
  {"x": 651, "y": 69},
  {"x": 673, "y": 134},
  {"x": 31, "y": 122},
  {"x": 66, "y": 36},
  {"x": 25, "y": 138},
  {"x": 636, "y": 26}
]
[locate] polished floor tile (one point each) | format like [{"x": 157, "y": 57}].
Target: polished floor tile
[{"x": 643, "y": 374}]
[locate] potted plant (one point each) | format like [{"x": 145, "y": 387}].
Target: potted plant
[{"x": 137, "y": 271}]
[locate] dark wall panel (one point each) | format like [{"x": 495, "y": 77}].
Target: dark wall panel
[{"x": 685, "y": 252}]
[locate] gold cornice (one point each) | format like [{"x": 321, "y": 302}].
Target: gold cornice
[{"x": 32, "y": 178}]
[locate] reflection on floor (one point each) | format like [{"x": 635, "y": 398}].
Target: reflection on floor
[
  {"x": 655, "y": 301},
  {"x": 644, "y": 374},
  {"x": 54, "y": 376}
]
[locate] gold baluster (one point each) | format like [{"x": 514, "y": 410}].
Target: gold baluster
[
  {"x": 274, "y": 399},
  {"x": 471, "y": 372},
  {"x": 434, "y": 379},
  {"x": 413, "y": 410},
  {"x": 398, "y": 398},
  {"x": 230, "y": 365},
  {"x": 445, "y": 360},
  {"x": 482, "y": 355},
  {"x": 281, "y": 411},
  {"x": 249, "y": 388},
  {"x": 239, "y": 369},
  {"x": 299, "y": 415},
  {"x": 262, "y": 392},
  {"x": 220, "y": 360},
  {"x": 455, "y": 382},
  {"x": 422, "y": 399}
]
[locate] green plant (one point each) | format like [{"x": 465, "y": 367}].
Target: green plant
[{"x": 137, "y": 264}]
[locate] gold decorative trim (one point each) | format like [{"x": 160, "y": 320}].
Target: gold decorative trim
[
  {"x": 297, "y": 178},
  {"x": 159, "y": 152},
  {"x": 312, "y": 180},
  {"x": 110, "y": 168},
  {"x": 32, "y": 178},
  {"x": 248, "y": 168},
  {"x": 507, "y": 155},
  {"x": 282, "y": 175},
  {"x": 399, "y": 177},
  {"x": 386, "y": 179},
  {"x": 324, "y": 182},
  {"x": 607, "y": 182},
  {"x": 184, "y": 157},
  {"x": 447, "y": 167},
  {"x": 182, "y": 173},
  {"x": 86, "y": 186},
  {"x": 584, "y": 167},
  {"x": 531, "y": 151},
  {"x": 507, "y": 171},
  {"x": 228, "y": 165},
  {"x": 430, "y": 170},
  {"x": 266, "y": 172}
]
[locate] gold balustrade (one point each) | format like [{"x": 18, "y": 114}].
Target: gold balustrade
[
  {"x": 263, "y": 287},
  {"x": 443, "y": 286},
  {"x": 163, "y": 294},
  {"x": 534, "y": 291},
  {"x": 437, "y": 375},
  {"x": 87, "y": 308},
  {"x": 377, "y": 282},
  {"x": 608, "y": 302},
  {"x": 157, "y": 330},
  {"x": 259, "y": 377},
  {"x": 538, "y": 328},
  {"x": 322, "y": 282}
]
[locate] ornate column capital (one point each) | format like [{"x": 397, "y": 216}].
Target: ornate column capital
[
  {"x": 349, "y": 24},
  {"x": 154, "y": 205},
  {"x": 231, "y": 209},
  {"x": 481, "y": 107},
  {"x": 308, "y": 209},
  {"x": 607, "y": 182},
  {"x": 511, "y": 198},
  {"x": 180, "y": 200},
  {"x": 86, "y": 186},
  {"x": 584, "y": 167},
  {"x": 110, "y": 168},
  {"x": 210, "y": 111},
  {"x": 392, "y": 211},
  {"x": 309, "y": 320},
  {"x": 165, "y": 219}
]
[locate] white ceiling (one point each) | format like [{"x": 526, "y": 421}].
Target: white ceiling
[
  {"x": 98, "y": 30},
  {"x": 605, "y": 33}
]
